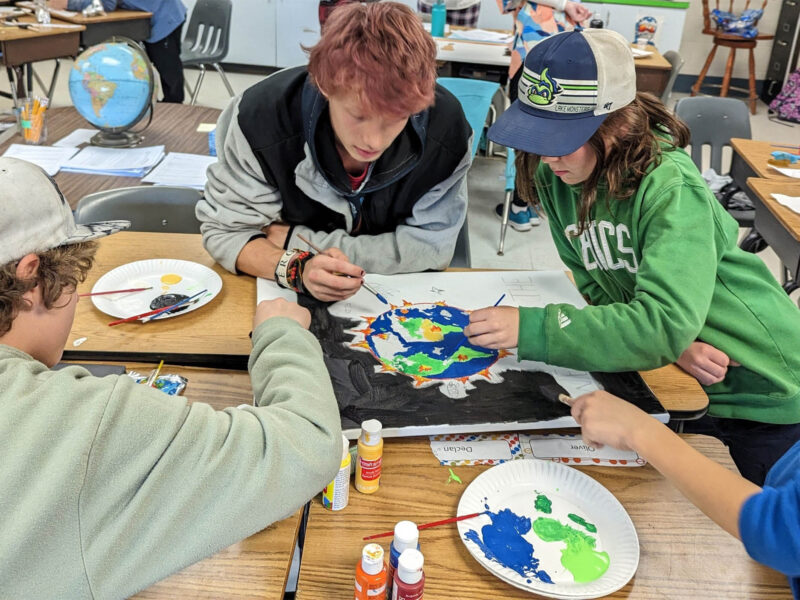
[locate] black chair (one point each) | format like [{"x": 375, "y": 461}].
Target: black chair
[
  {"x": 207, "y": 40},
  {"x": 713, "y": 122},
  {"x": 165, "y": 209}
]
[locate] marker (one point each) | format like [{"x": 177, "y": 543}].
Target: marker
[{"x": 364, "y": 284}]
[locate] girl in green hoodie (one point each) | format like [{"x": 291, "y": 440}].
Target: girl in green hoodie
[{"x": 649, "y": 247}]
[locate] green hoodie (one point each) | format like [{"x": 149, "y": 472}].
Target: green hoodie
[{"x": 661, "y": 270}]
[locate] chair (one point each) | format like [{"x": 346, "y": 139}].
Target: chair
[
  {"x": 510, "y": 176},
  {"x": 475, "y": 96},
  {"x": 206, "y": 42},
  {"x": 676, "y": 61},
  {"x": 714, "y": 121},
  {"x": 163, "y": 209},
  {"x": 734, "y": 42}
]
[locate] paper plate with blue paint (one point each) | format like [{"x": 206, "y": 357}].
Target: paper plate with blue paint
[
  {"x": 170, "y": 280},
  {"x": 549, "y": 529}
]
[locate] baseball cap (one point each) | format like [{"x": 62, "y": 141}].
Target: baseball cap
[
  {"x": 35, "y": 216},
  {"x": 570, "y": 83}
]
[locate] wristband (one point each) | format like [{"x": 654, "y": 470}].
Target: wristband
[
  {"x": 282, "y": 268},
  {"x": 295, "y": 272}
]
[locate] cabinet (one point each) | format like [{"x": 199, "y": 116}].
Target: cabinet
[{"x": 785, "y": 50}]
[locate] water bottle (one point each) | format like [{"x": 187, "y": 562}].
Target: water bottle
[{"x": 438, "y": 18}]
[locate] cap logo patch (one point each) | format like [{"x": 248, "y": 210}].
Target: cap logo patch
[{"x": 544, "y": 92}]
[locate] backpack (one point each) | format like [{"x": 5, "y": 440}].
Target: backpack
[{"x": 786, "y": 105}]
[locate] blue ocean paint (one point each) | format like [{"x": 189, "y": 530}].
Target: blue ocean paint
[{"x": 502, "y": 542}]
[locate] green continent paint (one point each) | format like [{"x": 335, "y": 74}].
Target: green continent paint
[
  {"x": 543, "y": 504},
  {"x": 590, "y": 527},
  {"x": 579, "y": 557}
]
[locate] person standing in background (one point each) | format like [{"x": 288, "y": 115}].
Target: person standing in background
[
  {"x": 459, "y": 12},
  {"x": 533, "y": 22},
  {"x": 164, "y": 44}
]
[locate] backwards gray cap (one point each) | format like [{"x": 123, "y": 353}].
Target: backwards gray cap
[{"x": 35, "y": 216}]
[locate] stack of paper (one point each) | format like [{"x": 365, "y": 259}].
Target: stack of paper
[
  {"x": 119, "y": 162},
  {"x": 188, "y": 170},
  {"x": 47, "y": 157},
  {"x": 481, "y": 35}
]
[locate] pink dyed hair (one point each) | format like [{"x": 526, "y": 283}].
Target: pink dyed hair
[{"x": 381, "y": 52}]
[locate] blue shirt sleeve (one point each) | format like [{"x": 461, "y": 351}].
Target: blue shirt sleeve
[{"x": 769, "y": 523}]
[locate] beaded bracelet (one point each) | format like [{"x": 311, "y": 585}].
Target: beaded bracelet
[{"x": 289, "y": 271}]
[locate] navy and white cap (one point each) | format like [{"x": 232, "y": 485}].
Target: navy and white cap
[
  {"x": 35, "y": 216},
  {"x": 570, "y": 83}
]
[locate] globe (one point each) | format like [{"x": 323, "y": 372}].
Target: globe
[
  {"x": 427, "y": 341},
  {"x": 111, "y": 85}
]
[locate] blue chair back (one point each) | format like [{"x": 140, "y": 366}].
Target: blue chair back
[{"x": 475, "y": 96}]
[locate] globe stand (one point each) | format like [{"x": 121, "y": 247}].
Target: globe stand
[{"x": 122, "y": 139}]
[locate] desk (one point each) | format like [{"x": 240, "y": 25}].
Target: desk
[
  {"x": 779, "y": 226},
  {"x": 750, "y": 160},
  {"x": 652, "y": 72},
  {"x": 22, "y": 47},
  {"x": 174, "y": 125},
  {"x": 216, "y": 335},
  {"x": 683, "y": 553},
  {"x": 134, "y": 24},
  {"x": 256, "y": 567}
]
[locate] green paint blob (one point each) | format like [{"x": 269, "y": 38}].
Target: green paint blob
[
  {"x": 543, "y": 504},
  {"x": 424, "y": 365},
  {"x": 590, "y": 527},
  {"x": 579, "y": 557}
]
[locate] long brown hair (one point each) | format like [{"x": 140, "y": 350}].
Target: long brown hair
[{"x": 627, "y": 145}]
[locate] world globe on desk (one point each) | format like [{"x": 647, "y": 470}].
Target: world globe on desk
[{"x": 111, "y": 85}]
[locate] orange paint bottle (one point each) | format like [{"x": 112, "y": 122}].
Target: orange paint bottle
[{"x": 370, "y": 574}]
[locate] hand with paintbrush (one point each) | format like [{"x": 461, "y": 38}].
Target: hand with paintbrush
[{"x": 494, "y": 327}]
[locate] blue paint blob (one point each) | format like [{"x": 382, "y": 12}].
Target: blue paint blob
[{"x": 502, "y": 542}]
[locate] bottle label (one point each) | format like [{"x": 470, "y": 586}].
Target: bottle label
[
  {"x": 336, "y": 494},
  {"x": 398, "y": 594},
  {"x": 374, "y": 592},
  {"x": 370, "y": 469}
]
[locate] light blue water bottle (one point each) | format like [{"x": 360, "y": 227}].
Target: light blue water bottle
[{"x": 438, "y": 18}]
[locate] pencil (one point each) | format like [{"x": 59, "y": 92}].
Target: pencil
[
  {"x": 429, "y": 525},
  {"x": 115, "y": 292},
  {"x": 785, "y": 146},
  {"x": 364, "y": 284}
]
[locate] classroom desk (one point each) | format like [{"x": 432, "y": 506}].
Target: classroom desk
[
  {"x": 683, "y": 553},
  {"x": 134, "y": 24},
  {"x": 256, "y": 567},
  {"x": 217, "y": 334},
  {"x": 750, "y": 160},
  {"x": 779, "y": 226},
  {"x": 652, "y": 72},
  {"x": 21, "y": 47},
  {"x": 174, "y": 126}
]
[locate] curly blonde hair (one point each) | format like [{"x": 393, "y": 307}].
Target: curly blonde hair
[
  {"x": 627, "y": 145},
  {"x": 61, "y": 268}
]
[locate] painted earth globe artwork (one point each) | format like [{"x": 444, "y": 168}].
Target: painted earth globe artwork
[{"x": 426, "y": 341}]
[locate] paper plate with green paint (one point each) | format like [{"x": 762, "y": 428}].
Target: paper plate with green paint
[{"x": 549, "y": 529}]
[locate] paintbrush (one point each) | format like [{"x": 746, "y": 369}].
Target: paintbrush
[
  {"x": 364, "y": 284},
  {"x": 429, "y": 525},
  {"x": 155, "y": 312},
  {"x": 463, "y": 337},
  {"x": 555, "y": 393},
  {"x": 115, "y": 292},
  {"x": 154, "y": 374},
  {"x": 172, "y": 307}
]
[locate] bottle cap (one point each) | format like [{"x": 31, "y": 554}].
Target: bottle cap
[
  {"x": 372, "y": 559},
  {"x": 371, "y": 432},
  {"x": 409, "y": 566},
  {"x": 406, "y": 535},
  {"x": 345, "y": 448}
]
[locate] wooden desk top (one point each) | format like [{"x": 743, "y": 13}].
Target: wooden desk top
[
  {"x": 77, "y": 17},
  {"x": 220, "y": 329},
  {"x": 256, "y": 567},
  {"x": 764, "y": 187},
  {"x": 174, "y": 126},
  {"x": 11, "y": 33},
  {"x": 683, "y": 553},
  {"x": 756, "y": 154}
]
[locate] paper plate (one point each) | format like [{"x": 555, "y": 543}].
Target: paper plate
[
  {"x": 507, "y": 541},
  {"x": 165, "y": 275}
]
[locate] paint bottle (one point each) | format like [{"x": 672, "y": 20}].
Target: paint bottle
[
  {"x": 336, "y": 494},
  {"x": 438, "y": 18},
  {"x": 406, "y": 535},
  {"x": 409, "y": 578},
  {"x": 370, "y": 574},
  {"x": 370, "y": 453}
]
